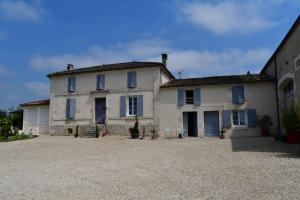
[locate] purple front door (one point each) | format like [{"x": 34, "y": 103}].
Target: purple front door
[{"x": 100, "y": 110}]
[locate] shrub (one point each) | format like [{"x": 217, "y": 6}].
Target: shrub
[
  {"x": 291, "y": 117},
  {"x": 135, "y": 130},
  {"x": 5, "y": 126},
  {"x": 264, "y": 121}
]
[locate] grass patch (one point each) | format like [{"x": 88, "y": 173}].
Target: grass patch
[{"x": 15, "y": 138}]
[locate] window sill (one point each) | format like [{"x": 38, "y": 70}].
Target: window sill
[{"x": 240, "y": 127}]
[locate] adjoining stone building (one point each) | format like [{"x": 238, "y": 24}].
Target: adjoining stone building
[{"x": 284, "y": 67}]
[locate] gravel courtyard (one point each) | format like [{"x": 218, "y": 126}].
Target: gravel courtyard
[{"x": 118, "y": 168}]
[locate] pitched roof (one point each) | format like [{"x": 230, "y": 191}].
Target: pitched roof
[
  {"x": 214, "y": 80},
  {"x": 282, "y": 43},
  {"x": 115, "y": 66},
  {"x": 36, "y": 103}
]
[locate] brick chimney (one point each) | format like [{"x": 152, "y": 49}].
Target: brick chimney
[
  {"x": 164, "y": 58},
  {"x": 70, "y": 67}
]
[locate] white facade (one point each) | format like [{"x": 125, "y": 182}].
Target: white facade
[
  {"x": 36, "y": 119},
  {"x": 148, "y": 83},
  {"x": 259, "y": 96}
]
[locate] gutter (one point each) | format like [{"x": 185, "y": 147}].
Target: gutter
[{"x": 279, "y": 132}]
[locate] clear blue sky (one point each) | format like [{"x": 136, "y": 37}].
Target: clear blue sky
[{"x": 202, "y": 38}]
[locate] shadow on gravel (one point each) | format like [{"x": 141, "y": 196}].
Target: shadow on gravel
[{"x": 260, "y": 144}]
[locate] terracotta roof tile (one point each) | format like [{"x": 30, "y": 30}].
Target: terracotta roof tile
[
  {"x": 115, "y": 66},
  {"x": 213, "y": 80},
  {"x": 36, "y": 103}
]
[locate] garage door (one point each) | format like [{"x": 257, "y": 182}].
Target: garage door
[
  {"x": 211, "y": 123},
  {"x": 44, "y": 120}
]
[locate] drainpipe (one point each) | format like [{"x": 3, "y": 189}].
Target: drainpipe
[{"x": 277, "y": 100}]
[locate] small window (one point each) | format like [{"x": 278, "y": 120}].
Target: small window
[
  {"x": 132, "y": 105},
  {"x": 239, "y": 118},
  {"x": 189, "y": 96}
]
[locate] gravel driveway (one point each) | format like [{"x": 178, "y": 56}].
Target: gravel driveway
[{"x": 118, "y": 168}]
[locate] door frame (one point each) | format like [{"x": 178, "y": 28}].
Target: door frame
[{"x": 185, "y": 116}]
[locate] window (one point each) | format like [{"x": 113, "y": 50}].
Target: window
[
  {"x": 238, "y": 94},
  {"x": 189, "y": 96},
  {"x": 131, "y": 79},
  {"x": 288, "y": 87},
  {"x": 100, "y": 82},
  {"x": 132, "y": 105},
  {"x": 72, "y": 84},
  {"x": 288, "y": 93},
  {"x": 239, "y": 118}
]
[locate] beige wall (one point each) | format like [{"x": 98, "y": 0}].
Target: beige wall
[
  {"x": 259, "y": 96},
  {"x": 148, "y": 83}
]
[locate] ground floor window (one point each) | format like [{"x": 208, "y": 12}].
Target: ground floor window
[
  {"x": 239, "y": 118},
  {"x": 132, "y": 105}
]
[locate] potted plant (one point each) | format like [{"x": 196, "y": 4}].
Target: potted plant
[
  {"x": 221, "y": 135},
  {"x": 134, "y": 131},
  {"x": 265, "y": 123},
  {"x": 291, "y": 123}
]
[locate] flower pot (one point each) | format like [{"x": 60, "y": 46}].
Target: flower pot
[
  {"x": 265, "y": 132},
  {"x": 221, "y": 136},
  {"x": 293, "y": 137}
]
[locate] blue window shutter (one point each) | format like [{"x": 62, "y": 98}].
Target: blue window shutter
[
  {"x": 74, "y": 83},
  {"x": 122, "y": 106},
  {"x": 252, "y": 118},
  {"x": 140, "y": 105},
  {"x": 68, "y": 109},
  {"x": 101, "y": 82},
  {"x": 238, "y": 95},
  {"x": 129, "y": 79},
  {"x": 72, "y": 108},
  {"x": 180, "y": 97},
  {"x": 227, "y": 118},
  {"x": 197, "y": 97},
  {"x": 185, "y": 124},
  {"x": 133, "y": 80},
  {"x": 69, "y": 83}
]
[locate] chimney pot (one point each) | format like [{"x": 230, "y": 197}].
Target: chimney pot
[
  {"x": 70, "y": 67},
  {"x": 164, "y": 58}
]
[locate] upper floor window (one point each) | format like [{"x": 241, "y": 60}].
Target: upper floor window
[
  {"x": 238, "y": 94},
  {"x": 100, "y": 82},
  {"x": 131, "y": 79},
  {"x": 71, "y": 84},
  {"x": 189, "y": 96},
  {"x": 239, "y": 118}
]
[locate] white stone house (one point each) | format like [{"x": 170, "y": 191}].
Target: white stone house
[{"x": 114, "y": 94}]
